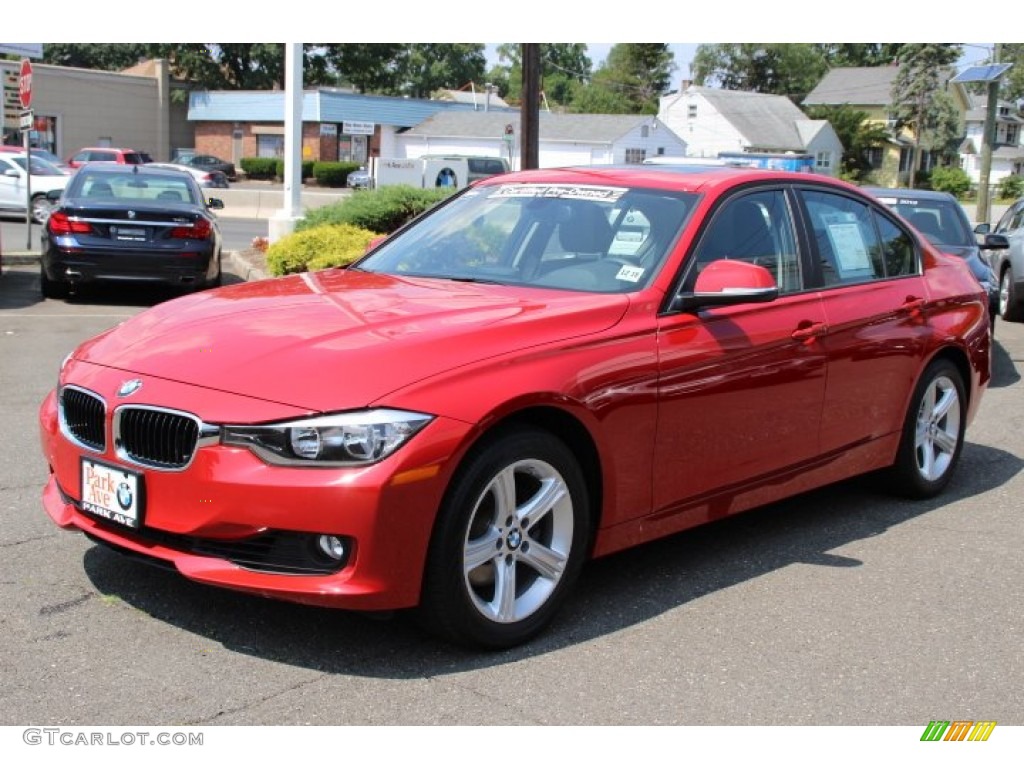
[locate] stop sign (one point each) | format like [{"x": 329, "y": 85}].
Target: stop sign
[{"x": 25, "y": 84}]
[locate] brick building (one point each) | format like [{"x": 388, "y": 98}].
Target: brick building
[{"x": 336, "y": 125}]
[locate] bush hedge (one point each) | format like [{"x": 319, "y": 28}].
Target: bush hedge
[
  {"x": 952, "y": 180},
  {"x": 307, "y": 168},
  {"x": 380, "y": 210},
  {"x": 332, "y": 174},
  {"x": 259, "y": 167},
  {"x": 318, "y": 248},
  {"x": 1011, "y": 187}
]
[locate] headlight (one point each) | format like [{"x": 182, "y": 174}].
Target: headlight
[{"x": 339, "y": 440}]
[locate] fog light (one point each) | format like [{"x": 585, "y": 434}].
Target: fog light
[{"x": 332, "y": 546}]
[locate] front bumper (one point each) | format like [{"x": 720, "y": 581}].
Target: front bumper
[{"x": 227, "y": 501}]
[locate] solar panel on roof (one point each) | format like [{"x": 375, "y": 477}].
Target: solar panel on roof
[{"x": 984, "y": 74}]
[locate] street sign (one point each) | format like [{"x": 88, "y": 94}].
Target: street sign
[
  {"x": 25, "y": 84},
  {"x": 25, "y": 123}
]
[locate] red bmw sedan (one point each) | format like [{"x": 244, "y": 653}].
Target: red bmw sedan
[{"x": 549, "y": 367}]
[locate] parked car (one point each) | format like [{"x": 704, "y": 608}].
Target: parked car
[
  {"x": 551, "y": 366},
  {"x": 138, "y": 224},
  {"x": 940, "y": 218},
  {"x": 14, "y": 177},
  {"x": 209, "y": 163},
  {"x": 205, "y": 179},
  {"x": 117, "y": 155},
  {"x": 43, "y": 154},
  {"x": 360, "y": 179},
  {"x": 1008, "y": 261}
]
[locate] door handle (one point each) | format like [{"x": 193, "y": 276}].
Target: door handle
[
  {"x": 913, "y": 305},
  {"x": 808, "y": 331}
]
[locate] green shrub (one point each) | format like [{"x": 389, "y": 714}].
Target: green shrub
[
  {"x": 318, "y": 248},
  {"x": 331, "y": 174},
  {"x": 379, "y": 210},
  {"x": 952, "y": 180},
  {"x": 1011, "y": 187},
  {"x": 307, "y": 168},
  {"x": 259, "y": 167}
]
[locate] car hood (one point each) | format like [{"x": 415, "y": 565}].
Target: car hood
[{"x": 341, "y": 339}]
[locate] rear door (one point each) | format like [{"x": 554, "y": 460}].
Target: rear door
[{"x": 875, "y": 300}]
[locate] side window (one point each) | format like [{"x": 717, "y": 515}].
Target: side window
[
  {"x": 756, "y": 228},
  {"x": 848, "y": 244},
  {"x": 897, "y": 249},
  {"x": 1010, "y": 220}
]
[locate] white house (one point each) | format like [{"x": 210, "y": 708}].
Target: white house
[
  {"x": 1007, "y": 151},
  {"x": 713, "y": 120},
  {"x": 563, "y": 139}
]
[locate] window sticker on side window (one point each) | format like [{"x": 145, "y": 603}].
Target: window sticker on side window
[
  {"x": 850, "y": 250},
  {"x": 562, "y": 191}
]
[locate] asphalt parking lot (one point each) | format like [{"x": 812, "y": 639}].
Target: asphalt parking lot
[{"x": 840, "y": 607}]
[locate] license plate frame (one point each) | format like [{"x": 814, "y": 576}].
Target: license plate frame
[{"x": 113, "y": 493}]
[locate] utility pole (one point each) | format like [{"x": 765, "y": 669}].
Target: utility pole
[
  {"x": 988, "y": 139},
  {"x": 530, "y": 109}
]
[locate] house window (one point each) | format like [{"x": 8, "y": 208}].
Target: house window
[
  {"x": 823, "y": 160},
  {"x": 635, "y": 156},
  {"x": 691, "y": 111},
  {"x": 645, "y": 131},
  {"x": 874, "y": 156},
  {"x": 1011, "y": 134},
  {"x": 269, "y": 145}
]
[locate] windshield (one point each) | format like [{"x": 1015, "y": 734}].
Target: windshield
[
  {"x": 941, "y": 221},
  {"x": 39, "y": 166},
  {"x": 133, "y": 187},
  {"x": 603, "y": 239}
]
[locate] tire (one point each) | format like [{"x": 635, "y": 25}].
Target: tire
[
  {"x": 933, "y": 434},
  {"x": 1009, "y": 303},
  {"x": 41, "y": 209},
  {"x": 509, "y": 542},
  {"x": 50, "y": 288}
]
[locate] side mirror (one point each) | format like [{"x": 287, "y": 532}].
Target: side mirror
[
  {"x": 12, "y": 173},
  {"x": 995, "y": 242},
  {"x": 725, "y": 282},
  {"x": 215, "y": 204},
  {"x": 54, "y": 195},
  {"x": 983, "y": 229}
]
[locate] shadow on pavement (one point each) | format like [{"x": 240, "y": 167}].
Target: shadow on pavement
[{"x": 614, "y": 593}]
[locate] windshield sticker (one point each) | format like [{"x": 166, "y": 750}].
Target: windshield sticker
[
  {"x": 561, "y": 191},
  {"x": 630, "y": 273}
]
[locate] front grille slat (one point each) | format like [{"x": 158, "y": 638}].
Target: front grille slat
[
  {"x": 155, "y": 437},
  {"x": 83, "y": 415}
]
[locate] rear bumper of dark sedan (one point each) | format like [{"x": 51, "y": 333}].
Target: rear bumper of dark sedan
[{"x": 183, "y": 267}]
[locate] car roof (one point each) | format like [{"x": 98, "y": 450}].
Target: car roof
[
  {"x": 684, "y": 178},
  {"x": 146, "y": 169}
]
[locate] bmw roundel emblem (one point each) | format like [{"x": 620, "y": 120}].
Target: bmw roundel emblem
[
  {"x": 124, "y": 496},
  {"x": 129, "y": 387},
  {"x": 131, "y": 214}
]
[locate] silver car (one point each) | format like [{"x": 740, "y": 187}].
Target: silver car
[{"x": 1008, "y": 262}]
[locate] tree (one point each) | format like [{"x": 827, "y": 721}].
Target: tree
[
  {"x": 859, "y": 54},
  {"x": 857, "y": 135},
  {"x": 564, "y": 66},
  {"x": 432, "y": 66},
  {"x": 367, "y": 67},
  {"x": 107, "y": 56},
  {"x": 783, "y": 69},
  {"x": 919, "y": 101},
  {"x": 1012, "y": 86},
  {"x": 630, "y": 81}
]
